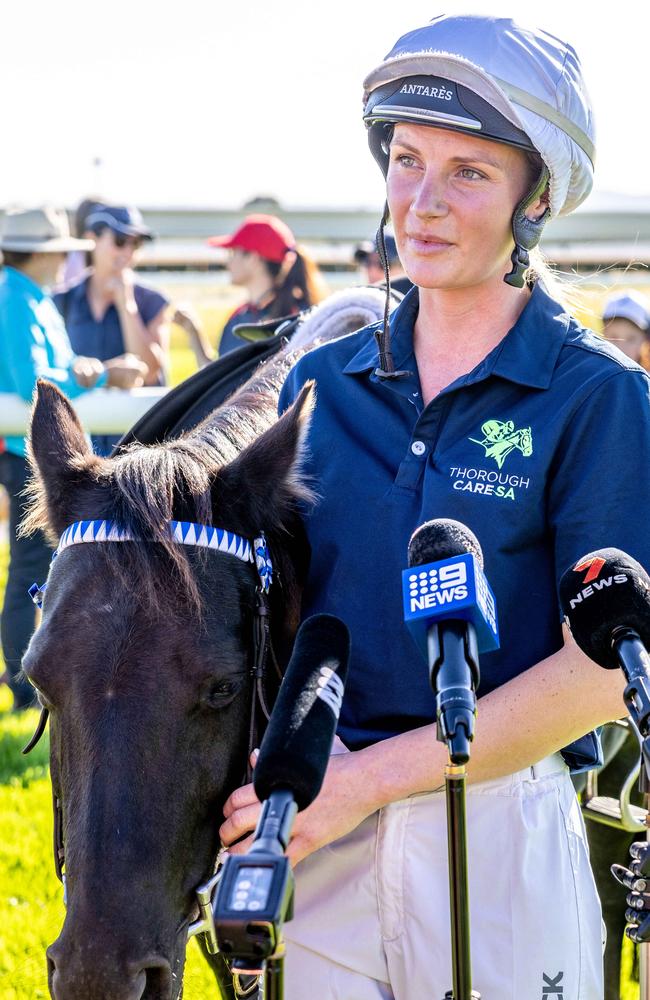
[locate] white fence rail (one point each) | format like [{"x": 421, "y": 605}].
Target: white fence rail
[{"x": 101, "y": 411}]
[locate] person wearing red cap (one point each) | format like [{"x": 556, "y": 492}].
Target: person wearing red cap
[{"x": 280, "y": 278}]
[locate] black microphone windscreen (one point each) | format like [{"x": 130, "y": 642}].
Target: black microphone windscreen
[
  {"x": 297, "y": 744},
  {"x": 605, "y": 590},
  {"x": 442, "y": 539}
]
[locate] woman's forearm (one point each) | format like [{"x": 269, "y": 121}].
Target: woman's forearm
[
  {"x": 537, "y": 713},
  {"x": 139, "y": 341}
]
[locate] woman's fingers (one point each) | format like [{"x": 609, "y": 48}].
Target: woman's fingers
[
  {"x": 239, "y": 822},
  {"x": 241, "y": 813}
]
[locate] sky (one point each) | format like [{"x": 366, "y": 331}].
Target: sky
[{"x": 212, "y": 102}]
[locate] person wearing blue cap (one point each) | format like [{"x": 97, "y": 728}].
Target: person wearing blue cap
[
  {"x": 480, "y": 398},
  {"x": 626, "y": 323},
  {"x": 107, "y": 313}
]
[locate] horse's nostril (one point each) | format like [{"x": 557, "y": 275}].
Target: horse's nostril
[{"x": 158, "y": 977}]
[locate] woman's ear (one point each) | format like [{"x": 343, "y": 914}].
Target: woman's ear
[{"x": 536, "y": 209}]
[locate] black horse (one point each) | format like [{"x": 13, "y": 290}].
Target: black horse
[
  {"x": 149, "y": 655},
  {"x": 143, "y": 660}
]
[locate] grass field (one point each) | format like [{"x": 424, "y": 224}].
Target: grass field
[{"x": 31, "y": 907}]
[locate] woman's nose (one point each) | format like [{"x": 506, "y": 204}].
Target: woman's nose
[{"x": 430, "y": 199}]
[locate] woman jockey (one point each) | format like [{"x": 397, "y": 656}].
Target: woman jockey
[{"x": 484, "y": 131}]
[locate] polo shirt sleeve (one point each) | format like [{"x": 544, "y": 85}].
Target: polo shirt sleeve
[
  {"x": 149, "y": 302},
  {"x": 599, "y": 491}
]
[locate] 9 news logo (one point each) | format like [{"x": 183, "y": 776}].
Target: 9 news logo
[{"x": 429, "y": 588}]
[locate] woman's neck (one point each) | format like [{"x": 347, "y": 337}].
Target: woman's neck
[
  {"x": 457, "y": 328},
  {"x": 99, "y": 285},
  {"x": 259, "y": 288}
]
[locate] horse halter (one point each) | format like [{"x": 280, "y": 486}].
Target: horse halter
[{"x": 219, "y": 540}]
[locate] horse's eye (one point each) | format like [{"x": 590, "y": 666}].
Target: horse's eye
[{"x": 220, "y": 693}]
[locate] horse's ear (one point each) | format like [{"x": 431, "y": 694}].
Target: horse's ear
[
  {"x": 264, "y": 484},
  {"x": 60, "y": 456}
]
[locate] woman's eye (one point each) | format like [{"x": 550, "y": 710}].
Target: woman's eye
[
  {"x": 470, "y": 174},
  {"x": 405, "y": 160}
]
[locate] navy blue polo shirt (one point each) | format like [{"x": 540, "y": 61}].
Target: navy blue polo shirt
[{"x": 543, "y": 450}]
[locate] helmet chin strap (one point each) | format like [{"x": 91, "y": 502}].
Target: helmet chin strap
[
  {"x": 526, "y": 232},
  {"x": 386, "y": 368}
]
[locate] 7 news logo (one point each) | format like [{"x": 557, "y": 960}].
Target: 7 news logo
[
  {"x": 431, "y": 587},
  {"x": 593, "y": 567}
]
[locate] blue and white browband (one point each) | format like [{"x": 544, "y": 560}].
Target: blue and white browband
[{"x": 181, "y": 532}]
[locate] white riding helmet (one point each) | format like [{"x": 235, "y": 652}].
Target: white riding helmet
[{"x": 532, "y": 79}]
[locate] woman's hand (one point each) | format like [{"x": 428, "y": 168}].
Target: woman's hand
[
  {"x": 120, "y": 286},
  {"x": 342, "y": 804},
  {"x": 86, "y": 371},
  {"x": 126, "y": 371}
]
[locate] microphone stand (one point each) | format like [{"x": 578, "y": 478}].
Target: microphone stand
[
  {"x": 635, "y": 663},
  {"x": 454, "y": 675}
]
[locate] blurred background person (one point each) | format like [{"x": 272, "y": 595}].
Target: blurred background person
[
  {"x": 34, "y": 344},
  {"x": 626, "y": 323},
  {"x": 77, "y": 262},
  {"x": 279, "y": 277},
  {"x": 367, "y": 259},
  {"x": 108, "y": 313}
]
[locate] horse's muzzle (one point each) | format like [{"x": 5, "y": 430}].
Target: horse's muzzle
[{"x": 73, "y": 974}]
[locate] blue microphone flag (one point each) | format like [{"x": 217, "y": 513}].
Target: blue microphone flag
[{"x": 454, "y": 588}]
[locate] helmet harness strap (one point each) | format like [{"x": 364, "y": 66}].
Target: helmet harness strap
[{"x": 386, "y": 368}]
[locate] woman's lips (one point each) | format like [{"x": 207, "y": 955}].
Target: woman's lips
[{"x": 428, "y": 244}]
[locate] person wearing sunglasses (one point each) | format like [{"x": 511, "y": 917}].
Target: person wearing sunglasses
[{"x": 107, "y": 313}]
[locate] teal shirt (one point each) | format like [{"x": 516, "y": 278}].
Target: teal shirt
[{"x": 33, "y": 343}]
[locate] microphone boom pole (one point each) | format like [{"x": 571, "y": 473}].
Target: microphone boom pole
[{"x": 450, "y": 611}]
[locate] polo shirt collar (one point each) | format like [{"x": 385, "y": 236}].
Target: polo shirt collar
[{"x": 524, "y": 355}]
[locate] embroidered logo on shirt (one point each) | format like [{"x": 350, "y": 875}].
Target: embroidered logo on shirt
[{"x": 500, "y": 438}]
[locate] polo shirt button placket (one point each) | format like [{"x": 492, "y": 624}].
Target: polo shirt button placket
[{"x": 418, "y": 448}]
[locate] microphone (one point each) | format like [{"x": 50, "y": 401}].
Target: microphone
[
  {"x": 255, "y": 894},
  {"x": 605, "y": 600},
  {"x": 450, "y": 611},
  {"x": 297, "y": 744}
]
